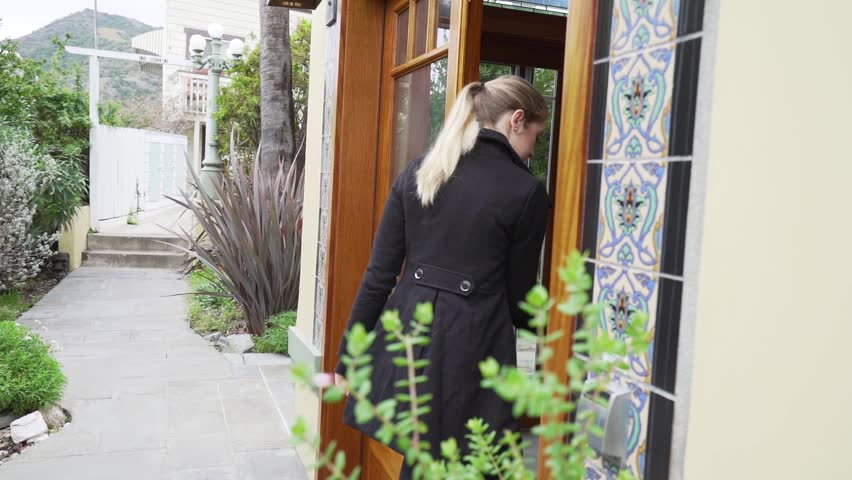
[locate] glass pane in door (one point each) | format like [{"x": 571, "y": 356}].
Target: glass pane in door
[
  {"x": 419, "y": 101},
  {"x": 421, "y": 22},
  {"x": 490, "y": 71},
  {"x": 402, "y": 37},
  {"x": 442, "y": 36},
  {"x": 544, "y": 81}
]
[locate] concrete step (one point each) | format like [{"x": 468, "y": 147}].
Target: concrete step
[
  {"x": 132, "y": 243},
  {"x": 132, "y": 259}
]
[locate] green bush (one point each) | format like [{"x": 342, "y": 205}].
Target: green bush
[
  {"x": 11, "y": 306},
  {"x": 48, "y": 100},
  {"x": 210, "y": 309},
  {"x": 274, "y": 340},
  {"x": 30, "y": 378},
  {"x": 492, "y": 453},
  {"x": 49, "y": 103},
  {"x": 61, "y": 191}
]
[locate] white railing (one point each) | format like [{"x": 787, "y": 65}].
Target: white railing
[{"x": 193, "y": 88}]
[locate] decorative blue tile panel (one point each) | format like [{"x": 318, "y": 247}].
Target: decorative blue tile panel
[
  {"x": 639, "y": 107},
  {"x": 623, "y": 294},
  {"x": 637, "y": 24},
  {"x": 632, "y": 202}
]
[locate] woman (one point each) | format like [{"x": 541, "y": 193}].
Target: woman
[{"x": 467, "y": 222}]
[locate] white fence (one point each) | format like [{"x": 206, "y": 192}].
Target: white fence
[{"x": 132, "y": 170}]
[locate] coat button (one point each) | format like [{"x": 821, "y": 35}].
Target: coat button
[
  {"x": 418, "y": 274},
  {"x": 465, "y": 286}
]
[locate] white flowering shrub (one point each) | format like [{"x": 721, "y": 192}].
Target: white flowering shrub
[{"x": 22, "y": 252}]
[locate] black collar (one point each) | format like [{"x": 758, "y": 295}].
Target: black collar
[{"x": 493, "y": 136}]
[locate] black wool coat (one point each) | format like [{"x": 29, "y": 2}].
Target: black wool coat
[{"x": 474, "y": 255}]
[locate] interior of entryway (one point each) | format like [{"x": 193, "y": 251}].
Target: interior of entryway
[{"x": 530, "y": 45}]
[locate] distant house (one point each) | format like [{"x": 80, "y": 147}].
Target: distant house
[{"x": 185, "y": 89}]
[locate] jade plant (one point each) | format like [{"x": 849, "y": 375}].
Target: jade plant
[{"x": 598, "y": 355}]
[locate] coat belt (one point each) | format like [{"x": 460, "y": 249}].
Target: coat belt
[{"x": 443, "y": 279}]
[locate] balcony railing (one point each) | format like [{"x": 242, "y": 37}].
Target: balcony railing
[{"x": 194, "y": 92}]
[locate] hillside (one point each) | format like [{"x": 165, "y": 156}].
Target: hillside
[{"x": 120, "y": 80}]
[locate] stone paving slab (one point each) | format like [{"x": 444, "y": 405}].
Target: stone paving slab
[
  {"x": 266, "y": 359},
  {"x": 150, "y": 399}
]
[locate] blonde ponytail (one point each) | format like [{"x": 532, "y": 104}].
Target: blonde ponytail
[
  {"x": 476, "y": 104},
  {"x": 457, "y": 137}
]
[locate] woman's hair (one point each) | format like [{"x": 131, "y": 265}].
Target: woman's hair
[{"x": 477, "y": 104}]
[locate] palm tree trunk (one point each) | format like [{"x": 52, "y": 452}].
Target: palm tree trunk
[
  {"x": 302, "y": 145},
  {"x": 277, "y": 142}
]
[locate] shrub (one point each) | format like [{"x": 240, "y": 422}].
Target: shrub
[
  {"x": 11, "y": 306},
  {"x": 37, "y": 97},
  {"x": 275, "y": 339},
  {"x": 211, "y": 309},
  {"x": 30, "y": 378},
  {"x": 253, "y": 238},
  {"x": 47, "y": 100},
  {"x": 61, "y": 191},
  {"x": 132, "y": 217},
  {"x": 23, "y": 250},
  {"x": 543, "y": 393}
]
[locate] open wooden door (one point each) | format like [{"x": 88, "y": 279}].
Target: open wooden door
[
  {"x": 421, "y": 59},
  {"x": 423, "y": 68},
  {"x": 402, "y": 62}
]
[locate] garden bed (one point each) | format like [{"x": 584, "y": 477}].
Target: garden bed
[
  {"x": 13, "y": 304},
  {"x": 55, "y": 418},
  {"x": 220, "y": 320},
  {"x": 32, "y": 379}
]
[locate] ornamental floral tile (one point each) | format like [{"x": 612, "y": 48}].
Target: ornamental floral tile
[
  {"x": 623, "y": 294},
  {"x": 638, "y": 111},
  {"x": 632, "y": 204},
  {"x": 637, "y": 24},
  {"x": 637, "y": 438}
]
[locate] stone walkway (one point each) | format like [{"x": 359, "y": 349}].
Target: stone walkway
[{"x": 150, "y": 399}]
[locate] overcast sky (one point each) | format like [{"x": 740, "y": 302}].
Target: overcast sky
[{"x": 21, "y": 17}]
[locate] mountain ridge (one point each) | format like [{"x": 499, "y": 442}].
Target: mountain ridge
[{"x": 120, "y": 79}]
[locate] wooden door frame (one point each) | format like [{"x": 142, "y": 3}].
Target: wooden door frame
[
  {"x": 355, "y": 148},
  {"x": 573, "y": 154},
  {"x": 358, "y": 181},
  {"x": 357, "y": 178},
  {"x": 465, "y": 46}
]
